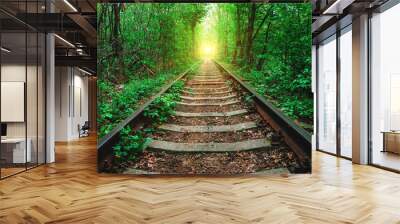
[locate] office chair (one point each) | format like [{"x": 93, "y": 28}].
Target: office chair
[{"x": 84, "y": 130}]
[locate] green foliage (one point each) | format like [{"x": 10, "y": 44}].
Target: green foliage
[
  {"x": 134, "y": 142},
  {"x": 130, "y": 144},
  {"x": 143, "y": 46},
  {"x": 116, "y": 103},
  {"x": 163, "y": 107},
  {"x": 141, "y": 39},
  {"x": 276, "y": 60}
]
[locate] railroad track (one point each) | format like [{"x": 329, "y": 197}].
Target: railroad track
[
  {"x": 209, "y": 122},
  {"x": 215, "y": 116}
]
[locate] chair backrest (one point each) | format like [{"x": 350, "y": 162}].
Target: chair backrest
[{"x": 86, "y": 125}]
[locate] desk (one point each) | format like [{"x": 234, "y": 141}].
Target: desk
[
  {"x": 391, "y": 141},
  {"x": 13, "y": 150}
]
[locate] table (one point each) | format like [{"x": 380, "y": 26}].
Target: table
[
  {"x": 13, "y": 150},
  {"x": 391, "y": 141}
]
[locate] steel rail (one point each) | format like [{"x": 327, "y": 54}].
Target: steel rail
[
  {"x": 136, "y": 120},
  {"x": 297, "y": 138}
]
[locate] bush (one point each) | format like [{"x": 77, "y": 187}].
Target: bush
[
  {"x": 163, "y": 107},
  {"x": 134, "y": 142},
  {"x": 117, "y": 102},
  {"x": 130, "y": 144}
]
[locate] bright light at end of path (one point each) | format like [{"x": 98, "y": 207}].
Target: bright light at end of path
[{"x": 208, "y": 51}]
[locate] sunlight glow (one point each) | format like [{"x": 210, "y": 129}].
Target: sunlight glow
[{"x": 208, "y": 51}]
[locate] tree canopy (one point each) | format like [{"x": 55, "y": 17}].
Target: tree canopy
[{"x": 142, "y": 45}]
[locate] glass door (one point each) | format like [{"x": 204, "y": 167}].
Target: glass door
[
  {"x": 327, "y": 95},
  {"x": 385, "y": 89},
  {"x": 346, "y": 92},
  {"x": 22, "y": 77},
  {"x": 15, "y": 149}
]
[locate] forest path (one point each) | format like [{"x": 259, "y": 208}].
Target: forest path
[
  {"x": 211, "y": 117},
  {"x": 214, "y": 131}
]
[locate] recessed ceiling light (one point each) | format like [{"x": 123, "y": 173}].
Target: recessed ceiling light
[
  {"x": 70, "y": 5},
  {"x": 5, "y": 50},
  {"x": 65, "y": 41},
  {"x": 84, "y": 71},
  {"x": 337, "y": 7}
]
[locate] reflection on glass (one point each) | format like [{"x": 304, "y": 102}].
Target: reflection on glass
[
  {"x": 327, "y": 95},
  {"x": 31, "y": 101},
  {"x": 346, "y": 93},
  {"x": 385, "y": 92},
  {"x": 41, "y": 99},
  {"x": 22, "y": 91},
  {"x": 15, "y": 150}
]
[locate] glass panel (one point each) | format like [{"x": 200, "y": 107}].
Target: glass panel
[
  {"x": 23, "y": 86},
  {"x": 346, "y": 93},
  {"x": 327, "y": 95},
  {"x": 41, "y": 99},
  {"x": 13, "y": 86},
  {"x": 385, "y": 92},
  {"x": 32, "y": 96},
  {"x": 32, "y": 88}
]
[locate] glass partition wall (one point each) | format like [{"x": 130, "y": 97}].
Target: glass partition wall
[
  {"x": 327, "y": 95},
  {"x": 385, "y": 89},
  {"x": 22, "y": 77},
  {"x": 334, "y": 95},
  {"x": 334, "y": 105},
  {"x": 345, "y": 90}
]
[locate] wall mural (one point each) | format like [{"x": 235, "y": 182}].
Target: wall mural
[{"x": 210, "y": 89}]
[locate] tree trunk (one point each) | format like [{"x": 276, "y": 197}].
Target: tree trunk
[
  {"x": 238, "y": 28},
  {"x": 117, "y": 43},
  {"x": 262, "y": 60},
  {"x": 193, "y": 28},
  {"x": 250, "y": 31},
  {"x": 242, "y": 39}
]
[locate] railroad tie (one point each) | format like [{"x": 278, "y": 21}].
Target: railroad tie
[
  {"x": 209, "y": 104},
  {"x": 209, "y": 98},
  {"x": 209, "y": 128},
  {"x": 211, "y": 114},
  {"x": 210, "y": 93},
  {"x": 207, "y": 95},
  {"x": 211, "y": 146}
]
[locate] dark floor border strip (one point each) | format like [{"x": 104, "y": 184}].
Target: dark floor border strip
[
  {"x": 370, "y": 164},
  {"x": 22, "y": 171}
]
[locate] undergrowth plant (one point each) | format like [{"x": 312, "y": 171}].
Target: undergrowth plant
[
  {"x": 116, "y": 103},
  {"x": 163, "y": 107},
  {"x": 134, "y": 142},
  {"x": 130, "y": 144}
]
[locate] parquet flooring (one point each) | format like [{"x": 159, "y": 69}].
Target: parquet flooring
[{"x": 71, "y": 191}]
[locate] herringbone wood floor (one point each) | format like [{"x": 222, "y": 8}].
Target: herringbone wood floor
[{"x": 70, "y": 191}]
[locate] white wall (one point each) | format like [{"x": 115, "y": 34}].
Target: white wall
[
  {"x": 70, "y": 83},
  {"x": 17, "y": 72},
  {"x": 62, "y": 82}
]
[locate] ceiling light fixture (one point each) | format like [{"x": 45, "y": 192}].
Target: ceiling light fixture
[
  {"x": 5, "y": 50},
  {"x": 84, "y": 71},
  {"x": 70, "y": 5},
  {"x": 65, "y": 41},
  {"x": 337, "y": 7}
]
